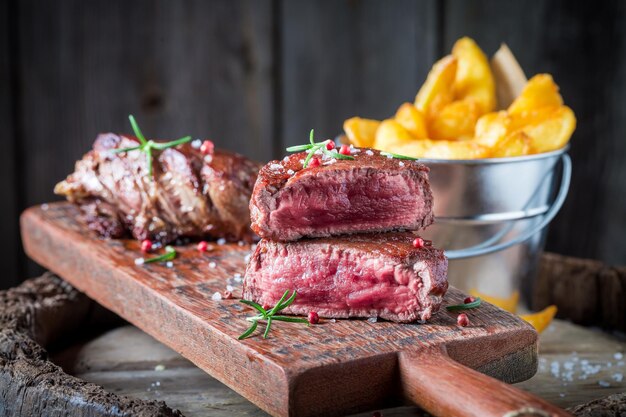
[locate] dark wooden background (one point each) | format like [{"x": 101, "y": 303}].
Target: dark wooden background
[{"x": 257, "y": 75}]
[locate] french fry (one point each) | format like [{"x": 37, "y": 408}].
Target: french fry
[
  {"x": 474, "y": 79},
  {"x": 455, "y": 121},
  {"x": 492, "y": 128},
  {"x": 440, "y": 149},
  {"x": 412, "y": 120},
  {"x": 515, "y": 144},
  {"x": 539, "y": 92},
  {"x": 361, "y": 132},
  {"x": 391, "y": 133},
  {"x": 438, "y": 89},
  {"x": 552, "y": 133}
]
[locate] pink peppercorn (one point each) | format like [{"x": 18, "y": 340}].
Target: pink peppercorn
[
  {"x": 314, "y": 162},
  {"x": 207, "y": 147},
  {"x": 202, "y": 246},
  {"x": 330, "y": 145},
  {"x": 418, "y": 243},
  {"x": 462, "y": 320},
  {"x": 146, "y": 245},
  {"x": 469, "y": 300},
  {"x": 313, "y": 317},
  {"x": 344, "y": 150}
]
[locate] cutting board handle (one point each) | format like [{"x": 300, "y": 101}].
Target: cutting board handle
[{"x": 445, "y": 388}]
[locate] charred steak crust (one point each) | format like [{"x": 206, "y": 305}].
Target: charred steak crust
[
  {"x": 191, "y": 194},
  {"x": 365, "y": 275},
  {"x": 372, "y": 193}
]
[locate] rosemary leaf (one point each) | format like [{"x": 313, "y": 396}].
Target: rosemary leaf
[
  {"x": 267, "y": 328},
  {"x": 170, "y": 253},
  {"x": 255, "y": 306},
  {"x": 299, "y": 148},
  {"x": 308, "y": 158},
  {"x": 468, "y": 306},
  {"x": 290, "y": 319},
  {"x": 278, "y": 307},
  {"x": 311, "y": 137},
  {"x": 161, "y": 146},
  {"x": 249, "y": 331},
  {"x": 397, "y": 156},
  {"x": 136, "y": 129},
  {"x": 288, "y": 302}
]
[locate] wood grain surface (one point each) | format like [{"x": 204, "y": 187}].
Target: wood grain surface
[{"x": 315, "y": 370}]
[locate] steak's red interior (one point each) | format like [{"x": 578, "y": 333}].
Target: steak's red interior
[{"x": 348, "y": 201}]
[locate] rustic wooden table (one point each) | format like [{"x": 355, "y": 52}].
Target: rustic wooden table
[{"x": 577, "y": 364}]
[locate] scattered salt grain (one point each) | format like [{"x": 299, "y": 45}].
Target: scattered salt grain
[
  {"x": 221, "y": 187},
  {"x": 290, "y": 171},
  {"x": 139, "y": 261},
  {"x": 158, "y": 383},
  {"x": 618, "y": 356},
  {"x": 208, "y": 159},
  {"x": 369, "y": 152},
  {"x": 332, "y": 320},
  {"x": 401, "y": 163},
  {"x": 604, "y": 384},
  {"x": 247, "y": 258},
  {"x": 169, "y": 264},
  {"x": 618, "y": 377},
  {"x": 276, "y": 167},
  {"x": 237, "y": 275},
  {"x": 221, "y": 241},
  {"x": 302, "y": 161},
  {"x": 216, "y": 296},
  {"x": 44, "y": 207},
  {"x": 212, "y": 264},
  {"x": 159, "y": 368},
  {"x": 196, "y": 144},
  {"x": 241, "y": 243},
  {"x": 372, "y": 319},
  {"x": 230, "y": 288},
  {"x": 561, "y": 394},
  {"x": 286, "y": 159}
]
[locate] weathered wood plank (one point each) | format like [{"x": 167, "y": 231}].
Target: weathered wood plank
[
  {"x": 347, "y": 58},
  {"x": 9, "y": 209},
  {"x": 199, "y": 68},
  {"x": 582, "y": 45}
]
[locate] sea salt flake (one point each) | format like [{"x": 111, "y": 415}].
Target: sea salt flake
[
  {"x": 169, "y": 264},
  {"x": 276, "y": 167},
  {"x": 286, "y": 159},
  {"x": 45, "y": 207},
  {"x": 159, "y": 368},
  {"x": 372, "y": 319},
  {"x": 237, "y": 275},
  {"x": 216, "y": 296},
  {"x": 290, "y": 171},
  {"x": 221, "y": 241},
  {"x": 332, "y": 320},
  {"x": 618, "y": 377},
  {"x": 369, "y": 152},
  {"x": 196, "y": 144},
  {"x": 139, "y": 261},
  {"x": 212, "y": 264},
  {"x": 230, "y": 288},
  {"x": 618, "y": 356},
  {"x": 604, "y": 384},
  {"x": 241, "y": 243},
  {"x": 401, "y": 164}
]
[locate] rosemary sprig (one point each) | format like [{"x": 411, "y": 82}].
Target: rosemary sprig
[
  {"x": 313, "y": 147},
  {"x": 397, "y": 156},
  {"x": 270, "y": 315},
  {"x": 468, "y": 306},
  {"x": 148, "y": 145},
  {"x": 170, "y": 254}
]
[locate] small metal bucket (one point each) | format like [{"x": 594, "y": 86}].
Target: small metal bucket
[{"x": 491, "y": 217}]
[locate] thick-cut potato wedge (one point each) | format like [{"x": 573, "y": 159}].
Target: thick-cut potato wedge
[
  {"x": 361, "y": 132},
  {"x": 515, "y": 144},
  {"x": 412, "y": 120},
  {"x": 456, "y": 121},
  {"x": 491, "y": 128},
  {"x": 473, "y": 75},
  {"x": 390, "y": 133},
  {"x": 441, "y": 149},
  {"x": 438, "y": 89},
  {"x": 539, "y": 92},
  {"x": 552, "y": 133}
]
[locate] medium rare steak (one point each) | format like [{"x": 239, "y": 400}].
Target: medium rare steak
[
  {"x": 365, "y": 275},
  {"x": 372, "y": 193},
  {"x": 190, "y": 195}
]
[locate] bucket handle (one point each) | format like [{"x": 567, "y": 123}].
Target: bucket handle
[{"x": 480, "y": 250}]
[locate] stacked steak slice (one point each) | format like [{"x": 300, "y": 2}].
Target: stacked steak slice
[{"x": 341, "y": 234}]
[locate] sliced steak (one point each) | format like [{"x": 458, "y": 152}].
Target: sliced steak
[
  {"x": 190, "y": 195},
  {"x": 366, "y": 275},
  {"x": 372, "y": 193}
]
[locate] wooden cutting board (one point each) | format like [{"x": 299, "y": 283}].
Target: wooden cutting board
[{"x": 332, "y": 368}]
